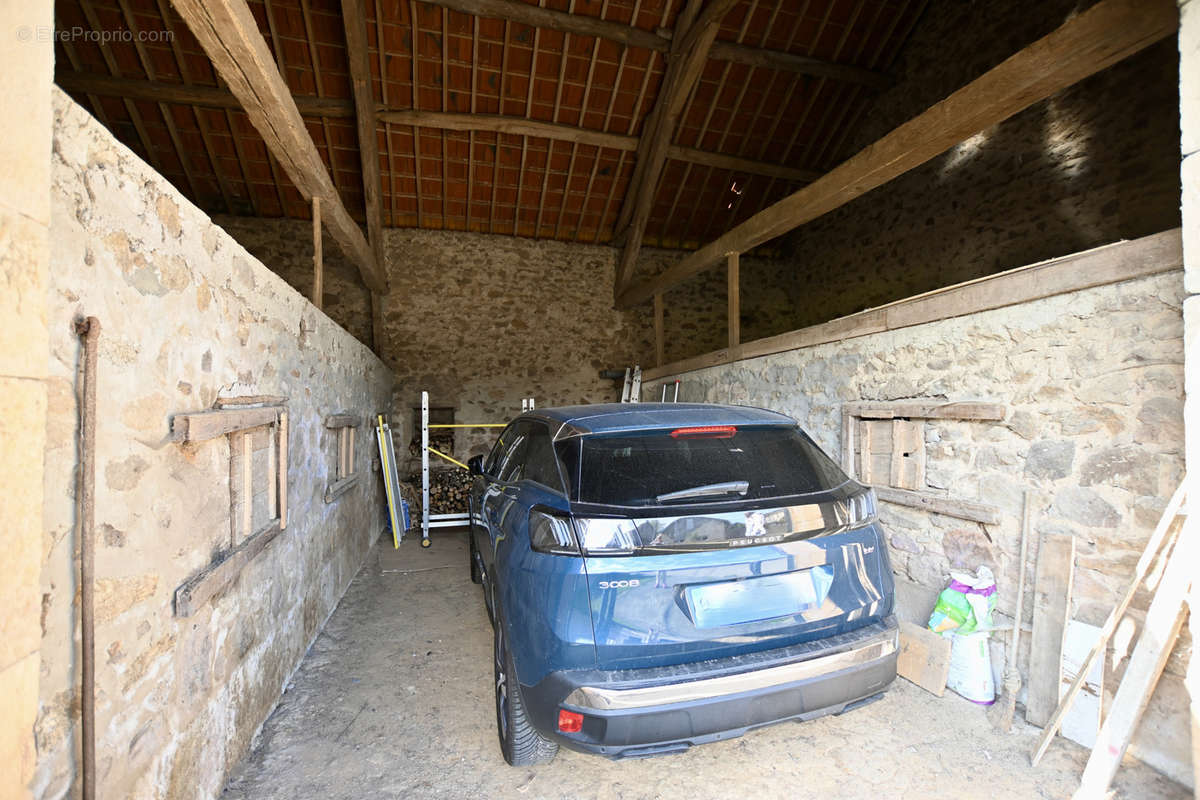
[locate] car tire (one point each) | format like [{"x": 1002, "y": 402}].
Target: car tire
[
  {"x": 473, "y": 555},
  {"x": 520, "y": 742}
]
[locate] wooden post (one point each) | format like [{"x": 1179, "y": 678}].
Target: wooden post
[
  {"x": 659, "y": 341},
  {"x": 735, "y": 301},
  {"x": 318, "y": 294},
  {"x": 283, "y": 470}
]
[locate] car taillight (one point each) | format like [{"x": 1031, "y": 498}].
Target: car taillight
[
  {"x": 569, "y": 721},
  {"x": 705, "y": 432},
  {"x": 862, "y": 508},
  {"x": 551, "y": 533},
  {"x": 606, "y": 536}
]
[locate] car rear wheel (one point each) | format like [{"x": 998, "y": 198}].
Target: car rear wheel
[{"x": 520, "y": 742}]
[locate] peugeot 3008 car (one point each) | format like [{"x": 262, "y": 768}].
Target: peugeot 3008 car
[{"x": 663, "y": 575}]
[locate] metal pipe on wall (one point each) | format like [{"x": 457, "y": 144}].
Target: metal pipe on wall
[{"x": 89, "y": 329}]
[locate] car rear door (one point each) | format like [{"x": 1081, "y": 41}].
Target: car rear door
[{"x": 719, "y": 576}]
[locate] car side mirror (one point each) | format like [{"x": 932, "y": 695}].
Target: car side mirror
[{"x": 475, "y": 465}]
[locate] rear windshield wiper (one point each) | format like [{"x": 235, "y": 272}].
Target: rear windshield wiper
[{"x": 708, "y": 490}]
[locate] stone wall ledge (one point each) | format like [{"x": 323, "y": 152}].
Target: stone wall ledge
[{"x": 1111, "y": 263}]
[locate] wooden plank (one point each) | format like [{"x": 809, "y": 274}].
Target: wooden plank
[
  {"x": 1082, "y": 722},
  {"x": 211, "y": 424},
  {"x": 903, "y": 409},
  {"x": 1095, "y": 39},
  {"x": 247, "y": 484},
  {"x": 924, "y": 658},
  {"x": 1101, "y": 266},
  {"x": 950, "y": 506},
  {"x": 339, "y": 487},
  {"x": 283, "y": 469},
  {"x": 848, "y": 443},
  {"x": 318, "y": 290},
  {"x": 908, "y": 455},
  {"x": 1165, "y": 531},
  {"x": 211, "y": 581},
  {"x": 272, "y": 475},
  {"x": 866, "y": 472},
  {"x": 341, "y": 465},
  {"x": 229, "y": 34},
  {"x": 802, "y": 65},
  {"x": 343, "y": 421},
  {"x": 1155, "y": 641},
  {"x": 659, "y": 332},
  {"x": 733, "y": 287},
  {"x": 1051, "y": 609}
]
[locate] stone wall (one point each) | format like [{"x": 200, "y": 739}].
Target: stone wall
[
  {"x": 1094, "y": 164},
  {"x": 188, "y": 316},
  {"x": 286, "y": 247},
  {"x": 483, "y": 321},
  {"x": 1093, "y": 385},
  {"x": 26, "y": 73}
]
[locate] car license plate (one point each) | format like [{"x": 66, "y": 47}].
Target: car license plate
[{"x": 715, "y": 605}]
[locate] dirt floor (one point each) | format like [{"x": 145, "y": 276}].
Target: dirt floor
[{"x": 395, "y": 700}]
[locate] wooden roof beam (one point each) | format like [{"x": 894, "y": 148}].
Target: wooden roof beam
[
  {"x": 1084, "y": 45},
  {"x": 229, "y": 34},
  {"x": 583, "y": 25},
  {"x": 354, "y": 20},
  {"x": 185, "y": 94},
  {"x": 689, "y": 54}
]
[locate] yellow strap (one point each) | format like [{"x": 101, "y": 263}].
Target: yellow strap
[
  {"x": 473, "y": 425},
  {"x": 448, "y": 458}
]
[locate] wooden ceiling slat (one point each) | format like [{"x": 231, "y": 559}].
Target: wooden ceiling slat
[
  {"x": 607, "y": 121},
  {"x": 445, "y": 102},
  {"x": 587, "y": 91},
  {"x": 496, "y": 152},
  {"x": 471, "y": 135},
  {"x": 130, "y": 21},
  {"x": 537, "y": 33},
  {"x": 110, "y": 61},
  {"x": 416, "y": 104}
]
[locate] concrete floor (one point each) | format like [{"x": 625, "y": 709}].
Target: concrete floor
[{"x": 395, "y": 700}]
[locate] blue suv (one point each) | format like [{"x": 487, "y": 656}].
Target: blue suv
[{"x": 663, "y": 575}]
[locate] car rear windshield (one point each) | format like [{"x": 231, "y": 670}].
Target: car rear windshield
[{"x": 678, "y": 467}]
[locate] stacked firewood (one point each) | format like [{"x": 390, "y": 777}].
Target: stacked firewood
[{"x": 448, "y": 490}]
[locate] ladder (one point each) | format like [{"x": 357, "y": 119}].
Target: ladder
[{"x": 631, "y": 392}]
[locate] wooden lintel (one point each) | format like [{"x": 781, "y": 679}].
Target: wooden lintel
[
  {"x": 211, "y": 424},
  {"x": 229, "y": 34},
  {"x": 211, "y": 581},
  {"x": 343, "y": 421},
  {"x": 1095, "y": 39},
  {"x": 950, "y": 506},
  {"x": 903, "y": 409}
]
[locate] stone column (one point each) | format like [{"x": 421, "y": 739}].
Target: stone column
[{"x": 26, "y": 73}]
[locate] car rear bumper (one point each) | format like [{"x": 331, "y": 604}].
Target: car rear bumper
[{"x": 630, "y": 713}]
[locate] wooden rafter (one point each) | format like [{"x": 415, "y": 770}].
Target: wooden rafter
[
  {"x": 228, "y": 32},
  {"x": 315, "y": 58},
  {"x": 147, "y": 67},
  {"x": 587, "y": 93},
  {"x": 354, "y": 19},
  {"x": 612, "y": 101},
  {"x": 687, "y": 63},
  {"x": 1097, "y": 38},
  {"x": 630, "y": 36},
  {"x": 110, "y": 61}
]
